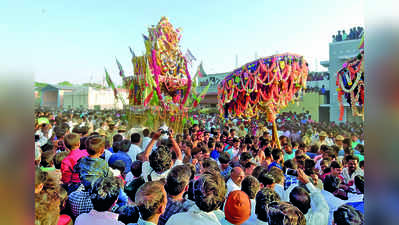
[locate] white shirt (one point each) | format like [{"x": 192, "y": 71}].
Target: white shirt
[
  {"x": 318, "y": 212},
  {"x": 98, "y": 218},
  {"x": 194, "y": 216},
  {"x": 134, "y": 150},
  {"x": 347, "y": 177},
  {"x": 333, "y": 203},
  {"x": 146, "y": 141},
  {"x": 231, "y": 186},
  {"x": 147, "y": 170},
  {"x": 255, "y": 221},
  {"x": 44, "y": 139},
  {"x": 281, "y": 192},
  {"x": 253, "y": 218}
]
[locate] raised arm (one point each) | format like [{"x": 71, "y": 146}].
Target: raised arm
[
  {"x": 147, "y": 150},
  {"x": 176, "y": 147}
]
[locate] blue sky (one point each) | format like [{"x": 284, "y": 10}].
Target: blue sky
[{"x": 75, "y": 40}]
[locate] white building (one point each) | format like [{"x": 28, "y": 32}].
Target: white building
[{"x": 81, "y": 97}]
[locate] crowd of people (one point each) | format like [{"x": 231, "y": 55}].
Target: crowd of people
[
  {"x": 317, "y": 76},
  {"x": 91, "y": 169},
  {"x": 354, "y": 33}
]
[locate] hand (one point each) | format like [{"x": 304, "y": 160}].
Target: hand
[
  {"x": 156, "y": 135},
  {"x": 302, "y": 177},
  {"x": 170, "y": 133}
]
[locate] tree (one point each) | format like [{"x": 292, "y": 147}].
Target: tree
[{"x": 65, "y": 83}]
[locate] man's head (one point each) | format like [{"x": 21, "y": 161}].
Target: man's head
[
  {"x": 177, "y": 180},
  {"x": 338, "y": 140},
  {"x": 300, "y": 198},
  {"x": 352, "y": 162},
  {"x": 224, "y": 159},
  {"x": 160, "y": 159},
  {"x": 237, "y": 175},
  {"x": 346, "y": 214},
  {"x": 104, "y": 193},
  {"x": 72, "y": 141},
  {"x": 264, "y": 197},
  {"x": 95, "y": 146},
  {"x": 146, "y": 132},
  {"x": 336, "y": 168},
  {"x": 135, "y": 138},
  {"x": 209, "y": 191},
  {"x": 151, "y": 199},
  {"x": 277, "y": 155},
  {"x": 250, "y": 185},
  {"x": 347, "y": 143},
  {"x": 322, "y": 136},
  {"x": 257, "y": 171},
  {"x": 245, "y": 157},
  {"x": 266, "y": 179},
  {"x": 237, "y": 208},
  {"x": 249, "y": 168},
  {"x": 136, "y": 168},
  {"x": 117, "y": 138},
  {"x": 277, "y": 175},
  {"x": 284, "y": 213}
]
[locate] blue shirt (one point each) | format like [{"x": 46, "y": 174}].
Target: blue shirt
[
  {"x": 121, "y": 156},
  {"x": 274, "y": 164},
  {"x": 215, "y": 154},
  {"x": 357, "y": 205}
]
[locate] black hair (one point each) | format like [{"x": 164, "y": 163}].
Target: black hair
[
  {"x": 177, "y": 180},
  {"x": 300, "y": 198},
  {"x": 257, "y": 171},
  {"x": 268, "y": 152},
  {"x": 136, "y": 168},
  {"x": 135, "y": 138},
  {"x": 224, "y": 158},
  {"x": 291, "y": 164},
  {"x": 265, "y": 178},
  {"x": 250, "y": 185},
  {"x": 245, "y": 156},
  {"x": 276, "y": 153},
  {"x": 146, "y": 132},
  {"x": 160, "y": 159},
  {"x": 128, "y": 214},
  {"x": 117, "y": 138},
  {"x": 209, "y": 191},
  {"x": 263, "y": 198},
  {"x": 210, "y": 164},
  {"x": 331, "y": 183},
  {"x": 347, "y": 215},
  {"x": 47, "y": 159},
  {"x": 104, "y": 193},
  {"x": 118, "y": 165}
]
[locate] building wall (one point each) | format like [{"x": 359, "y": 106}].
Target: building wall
[
  {"x": 309, "y": 102},
  {"x": 49, "y": 98},
  {"x": 339, "y": 53}
]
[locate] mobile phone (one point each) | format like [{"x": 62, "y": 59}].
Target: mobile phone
[{"x": 291, "y": 172}]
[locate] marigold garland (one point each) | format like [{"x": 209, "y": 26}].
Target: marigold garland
[{"x": 265, "y": 83}]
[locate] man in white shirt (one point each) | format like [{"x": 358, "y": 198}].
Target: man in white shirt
[
  {"x": 103, "y": 198},
  {"x": 146, "y": 138},
  {"x": 234, "y": 183},
  {"x": 349, "y": 173},
  {"x": 44, "y": 133},
  {"x": 157, "y": 164},
  {"x": 135, "y": 147},
  {"x": 209, "y": 194},
  {"x": 313, "y": 205},
  {"x": 331, "y": 184}
]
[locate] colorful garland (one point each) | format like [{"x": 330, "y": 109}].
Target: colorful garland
[
  {"x": 350, "y": 83},
  {"x": 265, "y": 85}
]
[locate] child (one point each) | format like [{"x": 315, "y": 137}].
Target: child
[
  {"x": 47, "y": 165},
  {"x": 70, "y": 178},
  {"x": 92, "y": 167},
  {"x": 118, "y": 170}
]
